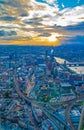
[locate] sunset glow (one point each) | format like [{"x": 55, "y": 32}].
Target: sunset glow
[{"x": 38, "y": 22}]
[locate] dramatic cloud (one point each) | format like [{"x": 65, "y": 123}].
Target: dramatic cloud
[
  {"x": 6, "y": 33},
  {"x": 40, "y": 21},
  {"x": 7, "y": 18}
]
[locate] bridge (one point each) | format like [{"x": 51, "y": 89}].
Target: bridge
[{"x": 74, "y": 64}]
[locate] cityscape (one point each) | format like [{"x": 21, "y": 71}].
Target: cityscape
[
  {"x": 40, "y": 90},
  {"x": 41, "y": 64}
]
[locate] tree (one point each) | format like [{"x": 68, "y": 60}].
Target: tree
[
  {"x": 6, "y": 94},
  {"x": 12, "y": 85}
]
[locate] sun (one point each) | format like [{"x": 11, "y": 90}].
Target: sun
[{"x": 52, "y": 38}]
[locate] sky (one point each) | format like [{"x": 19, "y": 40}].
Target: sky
[{"x": 41, "y": 22}]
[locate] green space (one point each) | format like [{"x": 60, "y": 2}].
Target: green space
[
  {"x": 6, "y": 94},
  {"x": 12, "y": 84}
]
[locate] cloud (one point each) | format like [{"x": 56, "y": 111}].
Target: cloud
[
  {"x": 7, "y": 33},
  {"x": 2, "y": 33},
  {"x": 63, "y": 5},
  {"x": 33, "y": 20},
  {"x": 66, "y": 17},
  {"x": 74, "y": 40},
  {"x": 15, "y": 3},
  {"x": 50, "y": 1},
  {"x": 24, "y": 14},
  {"x": 7, "y": 18},
  {"x": 77, "y": 28},
  {"x": 45, "y": 35}
]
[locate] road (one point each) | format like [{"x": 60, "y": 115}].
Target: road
[
  {"x": 30, "y": 85},
  {"x": 29, "y": 101},
  {"x": 68, "y": 109},
  {"x": 33, "y": 117}
]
